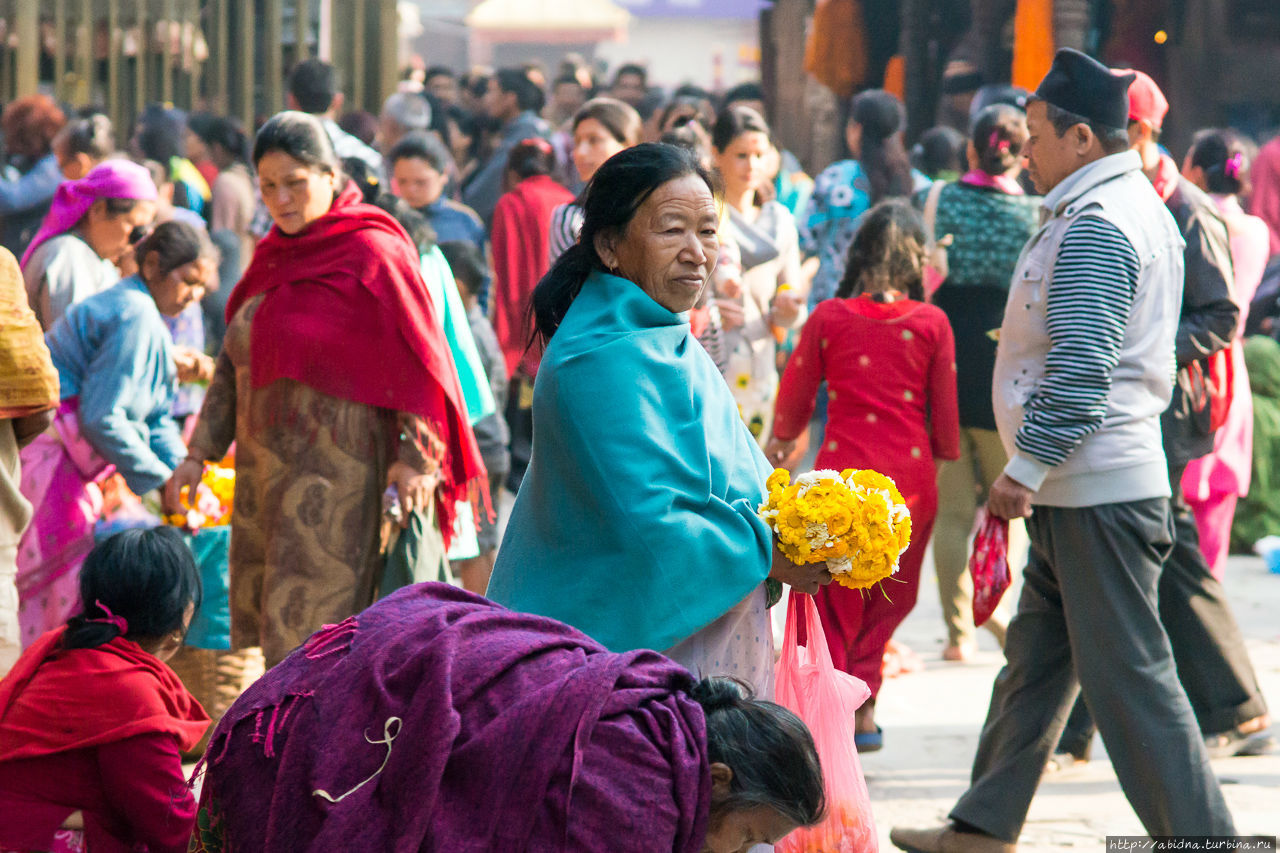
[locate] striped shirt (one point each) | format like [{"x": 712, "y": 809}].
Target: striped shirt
[
  {"x": 566, "y": 222},
  {"x": 1095, "y": 279}
]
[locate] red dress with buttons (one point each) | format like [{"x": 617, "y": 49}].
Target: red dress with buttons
[{"x": 890, "y": 373}]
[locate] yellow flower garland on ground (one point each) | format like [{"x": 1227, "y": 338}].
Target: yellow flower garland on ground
[{"x": 853, "y": 520}]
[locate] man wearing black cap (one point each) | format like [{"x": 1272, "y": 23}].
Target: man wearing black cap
[{"x": 1083, "y": 372}]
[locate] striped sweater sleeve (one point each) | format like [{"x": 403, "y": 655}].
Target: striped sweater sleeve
[{"x": 1087, "y": 305}]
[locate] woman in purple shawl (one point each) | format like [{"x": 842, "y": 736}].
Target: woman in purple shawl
[{"x": 437, "y": 720}]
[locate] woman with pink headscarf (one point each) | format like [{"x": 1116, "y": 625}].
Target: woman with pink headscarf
[{"x": 91, "y": 227}]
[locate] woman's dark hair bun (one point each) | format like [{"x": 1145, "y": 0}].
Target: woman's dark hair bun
[{"x": 715, "y": 694}]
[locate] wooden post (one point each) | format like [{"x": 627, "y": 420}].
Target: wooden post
[
  {"x": 388, "y": 51},
  {"x": 220, "y": 56},
  {"x": 166, "y": 52},
  {"x": 27, "y": 72},
  {"x": 273, "y": 55},
  {"x": 247, "y": 26},
  {"x": 84, "y": 54},
  {"x": 114, "y": 42},
  {"x": 140, "y": 81},
  {"x": 356, "y": 69},
  {"x": 59, "y": 49},
  {"x": 782, "y": 37},
  {"x": 191, "y": 19},
  {"x": 301, "y": 29}
]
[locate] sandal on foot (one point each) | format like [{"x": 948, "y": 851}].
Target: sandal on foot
[
  {"x": 869, "y": 741},
  {"x": 1061, "y": 762},
  {"x": 1233, "y": 743}
]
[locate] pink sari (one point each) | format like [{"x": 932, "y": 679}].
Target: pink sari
[{"x": 60, "y": 476}]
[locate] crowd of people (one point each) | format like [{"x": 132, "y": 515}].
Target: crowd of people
[{"x": 622, "y": 307}]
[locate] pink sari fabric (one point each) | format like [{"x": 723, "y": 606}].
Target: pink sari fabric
[
  {"x": 112, "y": 179},
  {"x": 65, "y": 841},
  {"x": 60, "y": 476},
  {"x": 1215, "y": 481}
]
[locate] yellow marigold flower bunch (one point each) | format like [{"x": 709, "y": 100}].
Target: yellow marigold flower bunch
[
  {"x": 212, "y": 504},
  {"x": 855, "y": 521}
]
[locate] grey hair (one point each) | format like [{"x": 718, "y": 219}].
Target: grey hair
[
  {"x": 1112, "y": 139},
  {"x": 411, "y": 112}
]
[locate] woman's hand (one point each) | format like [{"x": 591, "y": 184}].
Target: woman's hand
[
  {"x": 786, "y": 309},
  {"x": 731, "y": 314},
  {"x": 807, "y": 578},
  {"x": 778, "y": 451},
  {"x": 187, "y": 474},
  {"x": 193, "y": 365},
  {"x": 413, "y": 489}
]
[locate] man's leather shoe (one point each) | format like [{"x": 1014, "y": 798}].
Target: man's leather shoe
[{"x": 945, "y": 839}]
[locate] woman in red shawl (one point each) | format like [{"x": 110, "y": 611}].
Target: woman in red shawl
[
  {"x": 335, "y": 382},
  {"x": 521, "y": 224},
  {"x": 91, "y": 718}
]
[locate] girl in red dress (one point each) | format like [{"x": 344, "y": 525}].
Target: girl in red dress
[{"x": 888, "y": 359}]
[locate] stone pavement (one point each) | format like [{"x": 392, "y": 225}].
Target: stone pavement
[{"x": 931, "y": 721}]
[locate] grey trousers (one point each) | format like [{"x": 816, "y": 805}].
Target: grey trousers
[
  {"x": 1088, "y": 621},
  {"x": 1208, "y": 648}
]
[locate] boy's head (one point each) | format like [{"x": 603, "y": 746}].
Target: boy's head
[
  {"x": 419, "y": 168},
  {"x": 468, "y": 266}
]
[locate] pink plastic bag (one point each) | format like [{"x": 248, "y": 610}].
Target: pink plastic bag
[
  {"x": 825, "y": 698},
  {"x": 989, "y": 564}
]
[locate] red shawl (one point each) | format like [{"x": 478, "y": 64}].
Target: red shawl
[
  {"x": 56, "y": 699},
  {"x": 521, "y": 238},
  {"x": 347, "y": 313}
]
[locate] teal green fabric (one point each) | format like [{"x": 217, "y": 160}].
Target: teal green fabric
[
  {"x": 211, "y": 623},
  {"x": 636, "y": 522},
  {"x": 457, "y": 331},
  {"x": 1258, "y": 513}
]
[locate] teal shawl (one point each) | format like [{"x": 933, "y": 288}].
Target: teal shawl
[
  {"x": 636, "y": 522},
  {"x": 457, "y": 331}
]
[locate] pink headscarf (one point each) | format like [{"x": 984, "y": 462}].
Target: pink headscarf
[{"x": 112, "y": 179}]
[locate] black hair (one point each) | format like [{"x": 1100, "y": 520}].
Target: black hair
[
  {"x": 420, "y": 146},
  {"x": 469, "y": 124},
  {"x": 301, "y": 136},
  {"x": 653, "y": 100},
  {"x": 887, "y": 253},
  {"x": 439, "y": 71},
  {"x": 516, "y": 81},
  {"x": 567, "y": 78},
  {"x": 531, "y": 157},
  {"x": 475, "y": 82},
  {"x": 882, "y": 157},
  {"x": 620, "y": 119},
  {"x": 365, "y": 178},
  {"x": 1112, "y": 139},
  {"x": 161, "y": 134},
  {"x": 147, "y": 577},
  {"x": 417, "y": 226},
  {"x": 744, "y": 92},
  {"x": 120, "y": 206},
  {"x": 313, "y": 84},
  {"x": 92, "y": 135},
  {"x": 467, "y": 263},
  {"x": 691, "y": 136},
  {"x": 998, "y": 134},
  {"x": 361, "y": 124},
  {"x": 1225, "y": 160},
  {"x": 175, "y": 244},
  {"x": 229, "y": 134},
  {"x": 734, "y": 122},
  {"x": 609, "y": 203},
  {"x": 940, "y": 149},
  {"x": 633, "y": 69},
  {"x": 693, "y": 90},
  {"x": 769, "y": 749}
]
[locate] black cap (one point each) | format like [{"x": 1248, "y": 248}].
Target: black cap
[{"x": 1082, "y": 85}]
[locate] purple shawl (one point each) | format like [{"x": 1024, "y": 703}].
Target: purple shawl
[
  {"x": 437, "y": 720},
  {"x": 111, "y": 179}
]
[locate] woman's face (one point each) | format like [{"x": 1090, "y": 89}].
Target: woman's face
[
  {"x": 294, "y": 193},
  {"x": 740, "y": 830},
  {"x": 108, "y": 234},
  {"x": 592, "y": 145},
  {"x": 175, "y": 290},
  {"x": 670, "y": 246},
  {"x": 744, "y": 163}
]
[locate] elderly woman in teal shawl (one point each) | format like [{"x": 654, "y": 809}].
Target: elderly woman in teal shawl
[{"x": 637, "y": 520}]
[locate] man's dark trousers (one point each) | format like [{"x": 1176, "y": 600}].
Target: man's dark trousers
[{"x": 1088, "y": 610}]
